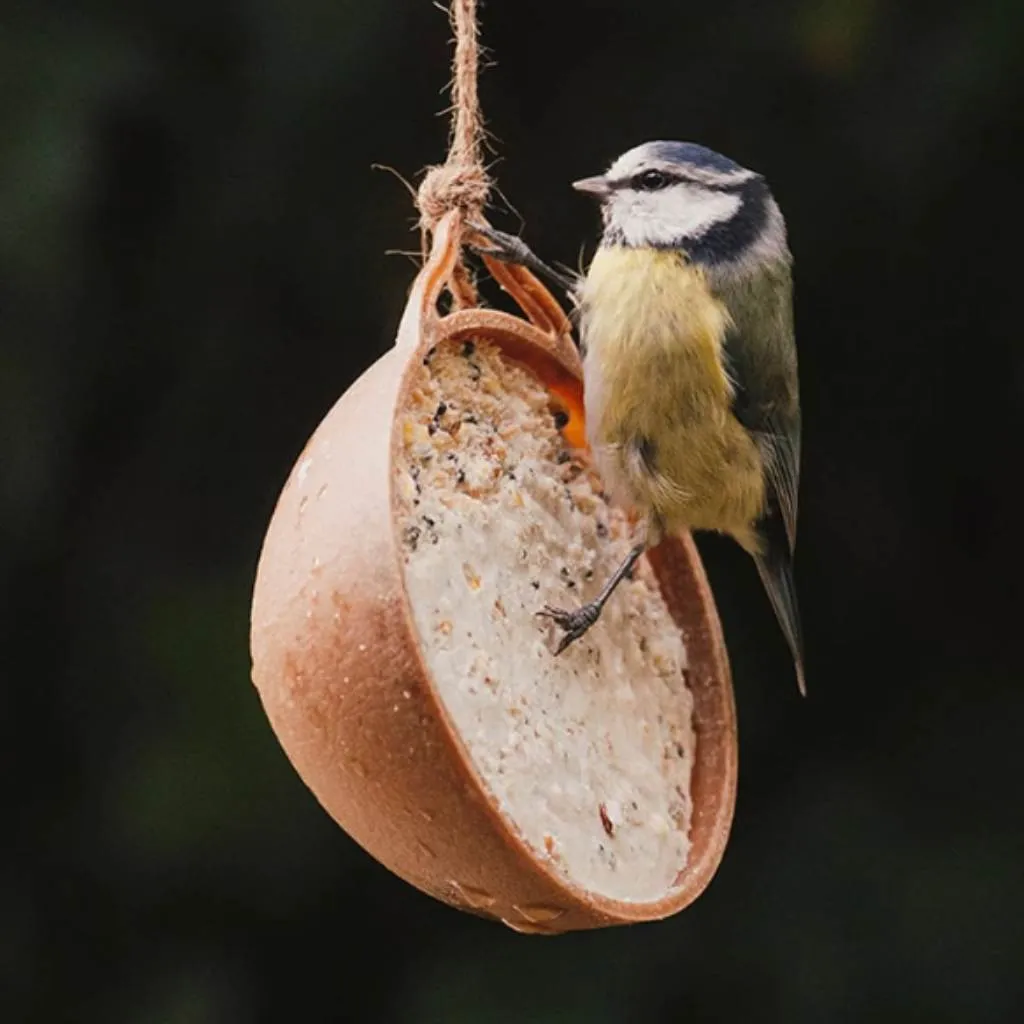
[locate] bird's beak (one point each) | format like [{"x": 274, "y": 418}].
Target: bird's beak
[{"x": 597, "y": 187}]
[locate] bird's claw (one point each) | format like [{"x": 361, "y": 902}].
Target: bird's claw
[
  {"x": 574, "y": 624},
  {"x": 506, "y": 248},
  {"x": 502, "y": 246}
]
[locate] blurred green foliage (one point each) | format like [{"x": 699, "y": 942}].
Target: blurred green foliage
[{"x": 193, "y": 267}]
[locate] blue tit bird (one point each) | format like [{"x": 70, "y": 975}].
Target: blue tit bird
[{"x": 689, "y": 361}]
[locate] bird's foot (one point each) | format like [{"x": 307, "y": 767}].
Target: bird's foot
[
  {"x": 573, "y": 624},
  {"x": 506, "y": 248},
  {"x": 501, "y": 245}
]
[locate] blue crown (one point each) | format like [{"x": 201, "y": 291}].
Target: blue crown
[{"x": 691, "y": 153}]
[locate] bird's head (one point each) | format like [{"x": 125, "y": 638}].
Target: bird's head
[{"x": 678, "y": 195}]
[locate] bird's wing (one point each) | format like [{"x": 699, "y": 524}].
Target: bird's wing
[
  {"x": 780, "y": 445},
  {"x": 760, "y": 357},
  {"x": 759, "y": 351}
]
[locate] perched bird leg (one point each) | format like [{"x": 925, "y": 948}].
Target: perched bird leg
[
  {"x": 512, "y": 249},
  {"x": 575, "y": 624}
]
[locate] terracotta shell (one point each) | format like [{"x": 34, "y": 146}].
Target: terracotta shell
[{"x": 337, "y": 664}]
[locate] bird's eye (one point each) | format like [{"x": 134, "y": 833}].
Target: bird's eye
[{"x": 651, "y": 181}]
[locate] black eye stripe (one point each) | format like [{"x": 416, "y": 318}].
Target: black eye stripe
[
  {"x": 654, "y": 180},
  {"x": 666, "y": 178}
]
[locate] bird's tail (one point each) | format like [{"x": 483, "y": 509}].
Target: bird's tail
[{"x": 775, "y": 564}]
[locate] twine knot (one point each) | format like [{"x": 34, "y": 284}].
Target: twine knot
[
  {"x": 460, "y": 183},
  {"x": 446, "y": 187}
]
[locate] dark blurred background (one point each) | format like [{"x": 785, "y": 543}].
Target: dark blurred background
[{"x": 193, "y": 266}]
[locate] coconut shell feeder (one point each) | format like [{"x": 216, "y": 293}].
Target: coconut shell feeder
[{"x": 443, "y": 500}]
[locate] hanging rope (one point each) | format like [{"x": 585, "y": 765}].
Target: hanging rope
[{"x": 461, "y": 182}]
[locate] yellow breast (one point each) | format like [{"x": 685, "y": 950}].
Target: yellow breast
[{"x": 657, "y": 394}]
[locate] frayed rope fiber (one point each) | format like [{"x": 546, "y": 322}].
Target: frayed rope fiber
[{"x": 460, "y": 183}]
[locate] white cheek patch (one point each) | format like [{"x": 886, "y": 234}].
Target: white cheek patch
[{"x": 666, "y": 217}]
